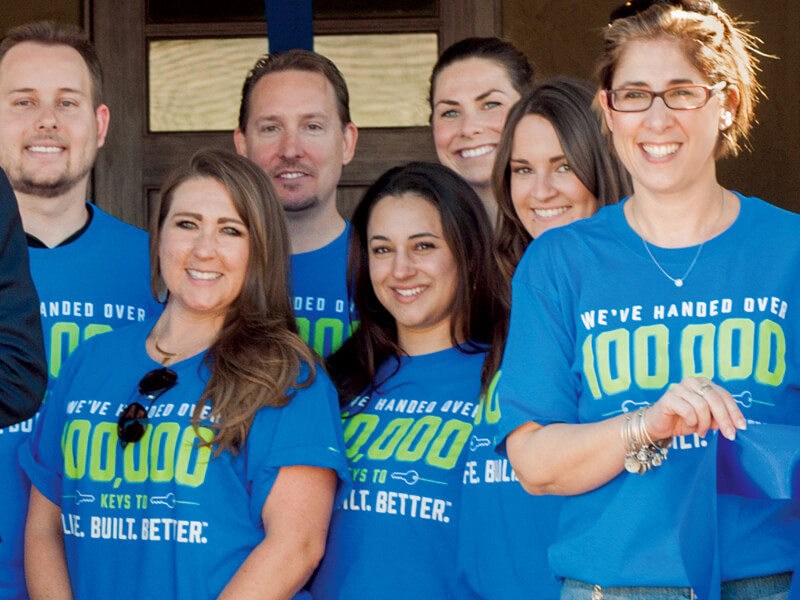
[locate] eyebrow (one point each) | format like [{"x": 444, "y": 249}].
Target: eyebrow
[
  {"x": 199, "y": 217},
  {"x": 479, "y": 97},
  {"x": 28, "y": 90},
  {"x": 305, "y": 117},
  {"x": 489, "y": 93},
  {"x": 383, "y": 238},
  {"x": 553, "y": 160},
  {"x": 672, "y": 82}
]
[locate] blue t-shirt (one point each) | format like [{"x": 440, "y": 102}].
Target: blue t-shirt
[
  {"x": 162, "y": 510},
  {"x": 98, "y": 282},
  {"x": 396, "y": 535},
  {"x": 503, "y": 531},
  {"x": 598, "y": 330},
  {"x": 319, "y": 295}
]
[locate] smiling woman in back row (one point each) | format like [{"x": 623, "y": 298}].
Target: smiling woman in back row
[{"x": 474, "y": 84}]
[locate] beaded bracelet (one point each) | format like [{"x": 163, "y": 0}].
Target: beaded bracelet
[{"x": 642, "y": 452}]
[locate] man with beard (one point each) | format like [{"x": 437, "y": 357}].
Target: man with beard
[
  {"x": 294, "y": 122},
  {"x": 90, "y": 270}
]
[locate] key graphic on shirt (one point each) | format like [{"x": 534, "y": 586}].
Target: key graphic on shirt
[
  {"x": 746, "y": 400},
  {"x": 412, "y": 477},
  {"x": 80, "y": 498},
  {"x": 476, "y": 442},
  {"x": 626, "y": 407},
  {"x": 169, "y": 500}
]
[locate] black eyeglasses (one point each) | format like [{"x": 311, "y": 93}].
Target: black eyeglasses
[
  {"x": 684, "y": 97},
  {"x": 133, "y": 421},
  {"x": 634, "y": 7}
]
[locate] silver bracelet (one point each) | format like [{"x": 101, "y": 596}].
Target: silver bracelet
[{"x": 642, "y": 453}]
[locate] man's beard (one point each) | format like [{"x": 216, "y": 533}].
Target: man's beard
[
  {"x": 53, "y": 189},
  {"x": 302, "y": 205}
]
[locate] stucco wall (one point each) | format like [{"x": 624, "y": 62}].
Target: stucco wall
[{"x": 17, "y": 12}]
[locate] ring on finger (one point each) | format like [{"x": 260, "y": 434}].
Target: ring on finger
[{"x": 701, "y": 391}]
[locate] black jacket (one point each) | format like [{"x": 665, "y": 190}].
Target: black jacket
[{"x": 23, "y": 368}]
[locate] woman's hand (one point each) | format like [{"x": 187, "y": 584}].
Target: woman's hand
[{"x": 694, "y": 405}]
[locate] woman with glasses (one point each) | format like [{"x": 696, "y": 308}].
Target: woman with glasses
[
  {"x": 194, "y": 456},
  {"x": 640, "y": 336},
  {"x": 473, "y": 85},
  {"x": 553, "y": 167},
  {"x": 433, "y": 312}
]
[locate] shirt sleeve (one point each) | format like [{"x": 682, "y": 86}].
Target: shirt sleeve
[
  {"x": 23, "y": 368},
  {"x": 41, "y": 456},
  {"x": 306, "y": 432},
  {"x": 538, "y": 382}
]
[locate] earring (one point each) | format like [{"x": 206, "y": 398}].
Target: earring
[{"x": 727, "y": 119}]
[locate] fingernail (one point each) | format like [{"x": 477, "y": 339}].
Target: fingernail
[
  {"x": 741, "y": 423},
  {"x": 729, "y": 433}
]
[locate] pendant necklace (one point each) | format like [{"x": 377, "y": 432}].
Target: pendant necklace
[
  {"x": 678, "y": 281},
  {"x": 168, "y": 356}
]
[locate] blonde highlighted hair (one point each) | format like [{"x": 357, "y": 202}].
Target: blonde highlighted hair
[{"x": 717, "y": 45}]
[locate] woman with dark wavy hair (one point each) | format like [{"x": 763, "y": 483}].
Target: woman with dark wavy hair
[
  {"x": 433, "y": 311},
  {"x": 215, "y": 474}
]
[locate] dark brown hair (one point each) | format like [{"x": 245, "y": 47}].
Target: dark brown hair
[
  {"x": 566, "y": 103},
  {"x": 49, "y": 33},
  {"x": 505, "y": 54},
  {"x": 257, "y": 356},
  {"x": 718, "y": 46},
  {"x": 295, "y": 60},
  {"x": 481, "y": 303}
]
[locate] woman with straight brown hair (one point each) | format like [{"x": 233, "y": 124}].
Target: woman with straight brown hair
[{"x": 554, "y": 166}]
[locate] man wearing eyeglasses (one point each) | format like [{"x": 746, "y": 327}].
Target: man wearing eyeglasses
[
  {"x": 90, "y": 270},
  {"x": 294, "y": 122}
]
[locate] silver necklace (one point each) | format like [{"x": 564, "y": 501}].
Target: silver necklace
[{"x": 678, "y": 281}]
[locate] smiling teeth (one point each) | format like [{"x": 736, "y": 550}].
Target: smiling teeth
[
  {"x": 203, "y": 274},
  {"x": 660, "y": 150},
  {"x": 411, "y": 292},
  {"x": 472, "y": 153},
  {"x": 549, "y": 213},
  {"x": 46, "y": 149},
  {"x": 290, "y": 175}
]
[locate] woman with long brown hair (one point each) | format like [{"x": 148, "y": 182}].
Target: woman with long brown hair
[
  {"x": 554, "y": 167},
  {"x": 433, "y": 311},
  {"x": 215, "y": 474}
]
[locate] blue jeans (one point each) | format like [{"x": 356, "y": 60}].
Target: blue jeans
[{"x": 770, "y": 587}]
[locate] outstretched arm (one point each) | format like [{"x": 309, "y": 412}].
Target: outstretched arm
[
  {"x": 295, "y": 517},
  {"x": 567, "y": 459},
  {"x": 23, "y": 369}
]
